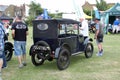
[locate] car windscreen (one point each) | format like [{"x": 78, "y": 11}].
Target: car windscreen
[{"x": 69, "y": 29}]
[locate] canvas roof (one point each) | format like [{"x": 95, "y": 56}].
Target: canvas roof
[
  {"x": 114, "y": 10},
  {"x": 4, "y": 17}
]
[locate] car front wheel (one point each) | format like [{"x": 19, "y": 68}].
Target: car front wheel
[{"x": 89, "y": 50}]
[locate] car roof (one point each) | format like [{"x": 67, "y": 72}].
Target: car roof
[{"x": 59, "y": 21}]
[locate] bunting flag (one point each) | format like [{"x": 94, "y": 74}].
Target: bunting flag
[
  {"x": 45, "y": 13},
  {"x": 97, "y": 14}
]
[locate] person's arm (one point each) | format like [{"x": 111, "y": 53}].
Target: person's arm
[
  {"x": 26, "y": 30},
  {"x": 27, "y": 33},
  {"x": 82, "y": 26},
  {"x": 96, "y": 34},
  {"x": 97, "y": 31},
  {"x": 13, "y": 33},
  {"x": 13, "y": 28}
]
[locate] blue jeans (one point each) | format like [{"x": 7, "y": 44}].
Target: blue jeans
[
  {"x": 19, "y": 47},
  {"x": 4, "y": 61},
  {"x": 2, "y": 55}
]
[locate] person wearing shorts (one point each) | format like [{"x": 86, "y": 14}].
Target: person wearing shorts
[
  {"x": 19, "y": 34},
  {"x": 99, "y": 34},
  {"x": 116, "y": 25}
]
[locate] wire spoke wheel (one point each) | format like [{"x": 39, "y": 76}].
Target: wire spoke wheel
[{"x": 89, "y": 50}]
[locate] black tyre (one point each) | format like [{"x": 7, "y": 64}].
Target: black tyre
[
  {"x": 43, "y": 43},
  {"x": 36, "y": 59},
  {"x": 89, "y": 50},
  {"x": 36, "y": 56},
  {"x": 8, "y": 52},
  {"x": 63, "y": 60}
]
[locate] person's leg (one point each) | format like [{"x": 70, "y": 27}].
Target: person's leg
[
  {"x": 4, "y": 61},
  {"x": 100, "y": 48},
  {"x": 99, "y": 44},
  {"x": 19, "y": 59},
  {"x": 24, "y": 53},
  {"x": 1, "y": 63},
  {"x": 113, "y": 29},
  {"x": 117, "y": 29},
  {"x": 17, "y": 49},
  {"x": 24, "y": 60}
]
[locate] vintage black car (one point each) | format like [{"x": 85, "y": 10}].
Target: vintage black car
[{"x": 58, "y": 39}]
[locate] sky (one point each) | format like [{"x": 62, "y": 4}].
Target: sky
[{"x": 53, "y": 5}]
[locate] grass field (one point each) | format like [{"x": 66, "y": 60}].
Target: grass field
[{"x": 106, "y": 67}]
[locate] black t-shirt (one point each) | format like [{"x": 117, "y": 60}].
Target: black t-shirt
[{"x": 20, "y": 31}]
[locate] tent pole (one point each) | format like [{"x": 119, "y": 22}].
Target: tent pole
[{"x": 91, "y": 15}]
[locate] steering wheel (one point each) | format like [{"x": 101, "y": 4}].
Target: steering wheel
[{"x": 71, "y": 31}]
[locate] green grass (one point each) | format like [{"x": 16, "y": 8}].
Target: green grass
[{"x": 106, "y": 67}]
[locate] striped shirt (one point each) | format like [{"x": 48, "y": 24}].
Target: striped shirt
[{"x": 1, "y": 37}]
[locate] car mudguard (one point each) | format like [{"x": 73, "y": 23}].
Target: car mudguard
[
  {"x": 87, "y": 40},
  {"x": 59, "y": 48},
  {"x": 31, "y": 49},
  {"x": 9, "y": 43},
  {"x": 57, "y": 52}
]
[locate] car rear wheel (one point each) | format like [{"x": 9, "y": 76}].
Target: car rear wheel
[
  {"x": 36, "y": 59},
  {"x": 63, "y": 60},
  {"x": 89, "y": 50},
  {"x": 37, "y": 56}
]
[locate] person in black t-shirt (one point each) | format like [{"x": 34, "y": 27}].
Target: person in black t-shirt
[{"x": 19, "y": 34}]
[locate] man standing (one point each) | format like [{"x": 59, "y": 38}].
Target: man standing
[
  {"x": 99, "y": 36},
  {"x": 84, "y": 27},
  {"x": 2, "y": 55},
  {"x": 19, "y": 34}
]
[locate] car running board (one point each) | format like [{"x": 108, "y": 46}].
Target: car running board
[{"x": 76, "y": 53}]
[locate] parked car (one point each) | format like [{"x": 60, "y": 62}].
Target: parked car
[{"x": 58, "y": 39}]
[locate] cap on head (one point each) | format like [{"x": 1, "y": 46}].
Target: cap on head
[{"x": 96, "y": 19}]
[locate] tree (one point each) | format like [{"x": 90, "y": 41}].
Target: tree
[
  {"x": 102, "y": 5},
  {"x": 35, "y": 10},
  {"x": 88, "y": 12}
]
